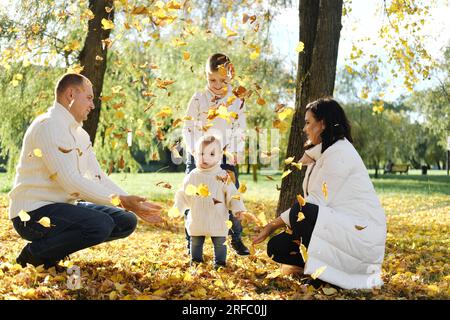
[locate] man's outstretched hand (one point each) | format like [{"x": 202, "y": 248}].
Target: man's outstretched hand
[{"x": 146, "y": 210}]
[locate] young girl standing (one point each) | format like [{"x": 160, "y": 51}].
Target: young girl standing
[{"x": 209, "y": 207}]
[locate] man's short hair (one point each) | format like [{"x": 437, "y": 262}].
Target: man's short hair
[{"x": 70, "y": 79}]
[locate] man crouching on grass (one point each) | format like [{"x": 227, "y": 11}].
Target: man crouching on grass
[{"x": 57, "y": 168}]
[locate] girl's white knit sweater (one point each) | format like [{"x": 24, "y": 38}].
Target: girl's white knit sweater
[{"x": 208, "y": 216}]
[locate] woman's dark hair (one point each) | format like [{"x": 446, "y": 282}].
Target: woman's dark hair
[{"x": 336, "y": 123}]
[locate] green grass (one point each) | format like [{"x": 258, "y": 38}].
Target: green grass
[{"x": 264, "y": 189}]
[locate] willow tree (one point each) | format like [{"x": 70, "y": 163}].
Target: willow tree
[{"x": 320, "y": 26}]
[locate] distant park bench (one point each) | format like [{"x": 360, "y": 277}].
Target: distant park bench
[{"x": 401, "y": 168}]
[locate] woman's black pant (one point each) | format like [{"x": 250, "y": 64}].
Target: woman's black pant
[{"x": 284, "y": 247}]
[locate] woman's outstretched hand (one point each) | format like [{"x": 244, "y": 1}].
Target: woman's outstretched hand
[
  {"x": 263, "y": 234},
  {"x": 268, "y": 229}
]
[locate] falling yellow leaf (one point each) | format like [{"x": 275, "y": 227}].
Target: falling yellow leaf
[
  {"x": 262, "y": 218},
  {"x": 165, "y": 112},
  {"x": 230, "y": 33},
  {"x": 286, "y": 173},
  {"x": 174, "y": 212},
  {"x": 360, "y": 227},
  {"x": 37, "y": 153},
  {"x": 45, "y": 221},
  {"x": 115, "y": 201},
  {"x": 186, "y": 55},
  {"x": 229, "y": 224},
  {"x": 304, "y": 252},
  {"x": 190, "y": 190},
  {"x": 242, "y": 187},
  {"x": 254, "y": 55},
  {"x": 325, "y": 190},
  {"x": 301, "y": 200},
  {"x": 318, "y": 272},
  {"x": 236, "y": 197},
  {"x": 119, "y": 114},
  {"x": 289, "y": 160},
  {"x": 203, "y": 190},
  {"x": 300, "y": 46},
  {"x": 53, "y": 176},
  {"x": 298, "y": 165},
  {"x": 285, "y": 113},
  {"x": 24, "y": 216},
  {"x": 107, "y": 24},
  {"x": 300, "y": 217},
  {"x": 76, "y": 68}
]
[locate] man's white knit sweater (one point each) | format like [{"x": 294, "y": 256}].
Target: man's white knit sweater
[
  {"x": 67, "y": 170},
  {"x": 208, "y": 216}
]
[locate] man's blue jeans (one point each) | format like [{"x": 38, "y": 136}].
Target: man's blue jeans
[
  {"x": 236, "y": 228},
  {"x": 73, "y": 227}
]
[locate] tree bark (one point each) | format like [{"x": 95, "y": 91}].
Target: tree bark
[
  {"x": 94, "y": 67},
  {"x": 320, "y": 27}
]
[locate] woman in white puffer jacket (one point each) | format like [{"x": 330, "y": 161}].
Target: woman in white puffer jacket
[{"x": 344, "y": 229}]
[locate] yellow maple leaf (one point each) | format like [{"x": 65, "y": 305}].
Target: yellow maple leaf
[
  {"x": 300, "y": 216},
  {"x": 286, "y": 112},
  {"x": 119, "y": 114},
  {"x": 325, "y": 190},
  {"x": 203, "y": 190},
  {"x": 115, "y": 201},
  {"x": 24, "y": 216},
  {"x": 229, "y": 224},
  {"x": 186, "y": 55},
  {"x": 107, "y": 24},
  {"x": 255, "y": 54},
  {"x": 298, "y": 165},
  {"x": 286, "y": 173},
  {"x": 76, "y": 68},
  {"x": 300, "y": 46},
  {"x": 318, "y": 272},
  {"x": 301, "y": 200},
  {"x": 236, "y": 197},
  {"x": 262, "y": 218},
  {"x": 165, "y": 112},
  {"x": 190, "y": 190},
  {"x": 304, "y": 252},
  {"x": 289, "y": 160},
  {"x": 37, "y": 152},
  {"x": 45, "y": 221},
  {"x": 242, "y": 188}
]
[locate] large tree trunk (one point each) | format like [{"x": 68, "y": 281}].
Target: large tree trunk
[
  {"x": 320, "y": 27},
  {"x": 94, "y": 67}
]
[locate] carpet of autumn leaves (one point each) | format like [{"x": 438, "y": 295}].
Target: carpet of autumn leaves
[{"x": 152, "y": 263}]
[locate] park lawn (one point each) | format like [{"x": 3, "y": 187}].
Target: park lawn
[{"x": 152, "y": 262}]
